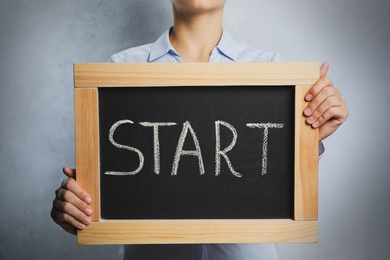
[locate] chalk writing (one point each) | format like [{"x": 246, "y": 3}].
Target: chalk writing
[
  {"x": 121, "y": 146},
  {"x": 186, "y": 130},
  {"x": 266, "y": 126},
  {"x": 218, "y": 151},
  {"x": 156, "y": 142},
  {"x": 180, "y": 151}
]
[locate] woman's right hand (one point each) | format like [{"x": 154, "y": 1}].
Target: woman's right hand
[{"x": 71, "y": 208}]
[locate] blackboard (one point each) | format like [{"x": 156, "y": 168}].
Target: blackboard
[
  {"x": 196, "y": 153},
  {"x": 257, "y": 187}
]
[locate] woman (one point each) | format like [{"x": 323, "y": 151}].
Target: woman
[{"x": 198, "y": 36}]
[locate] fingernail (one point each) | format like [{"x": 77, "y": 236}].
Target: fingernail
[
  {"x": 87, "y": 220},
  {"x": 310, "y": 120},
  {"x": 88, "y": 211},
  {"x": 316, "y": 124},
  {"x": 307, "y": 111},
  {"x": 309, "y": 97},
  {"x": 81, "y": 226},
  {"x": 88, "y": 200}
]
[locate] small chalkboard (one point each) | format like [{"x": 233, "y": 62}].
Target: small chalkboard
[{"x": 194, "y": 153}]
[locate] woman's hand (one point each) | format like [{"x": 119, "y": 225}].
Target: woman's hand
[
  {"x": 327, "y": 110},
  {"x": 71, "y": 208}
]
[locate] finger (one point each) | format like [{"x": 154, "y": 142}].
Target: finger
[
  {"x": 71, "y": 173},
  {"x": 322, "y": 82},
  {"x": 58, "y": 217},
  {"x": 71, "y": 185},
  {"x": 316, "y": 89},
  {"x": 64, "y": 220},
  {"x": 70, "y": 228},
  {"x": 331, "y": 125},
  {"x": 324, "y": 116},
  {"x": 68, "y": 196},
  {"x": 68, "y": 213},
  {"x": 324, "y": 69},
  {"x": 329, "y": 96}
]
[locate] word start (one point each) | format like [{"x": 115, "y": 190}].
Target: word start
[{"x": 188, "y": 132}]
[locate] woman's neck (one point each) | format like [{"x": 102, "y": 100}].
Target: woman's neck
[{"x": 194, "y": 36}]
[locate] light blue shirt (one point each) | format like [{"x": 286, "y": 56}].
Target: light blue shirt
[{"x": 227, "y": 50}]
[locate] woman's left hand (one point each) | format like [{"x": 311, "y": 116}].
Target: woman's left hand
[{"x": 326, "y": 110}]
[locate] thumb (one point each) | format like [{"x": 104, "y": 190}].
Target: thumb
[
  {"x": 324, "y": 69},
  {"x": 71, "y": 173}
]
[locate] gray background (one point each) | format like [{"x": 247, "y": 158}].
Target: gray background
[{"x": 41, "y": 39}]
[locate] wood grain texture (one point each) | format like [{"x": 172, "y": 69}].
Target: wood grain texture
[
  {"x": 199, "y": 231},
  {"x": 194, "y": 74},
  {"x": 306, "y": 162},
  {"x": 87, "y": 145}
]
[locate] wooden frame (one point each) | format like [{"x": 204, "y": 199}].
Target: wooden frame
[{"x": 303, "y": 228}]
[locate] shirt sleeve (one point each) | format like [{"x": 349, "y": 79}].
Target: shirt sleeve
[
  {"x": 277, "y": 57},
  {"x": 321, "y": 150},
  {"x": 113, "y": 59}
]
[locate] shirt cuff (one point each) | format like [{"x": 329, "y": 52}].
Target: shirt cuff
[{"x": 321, "y": 150}]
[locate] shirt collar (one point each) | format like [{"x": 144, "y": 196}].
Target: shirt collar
[
  {"x": 161, "y": 47},
  {"x": 227, "y": 46}
]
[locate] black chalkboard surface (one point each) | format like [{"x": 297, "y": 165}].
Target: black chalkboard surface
[{"x": 139, "y": 178}]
